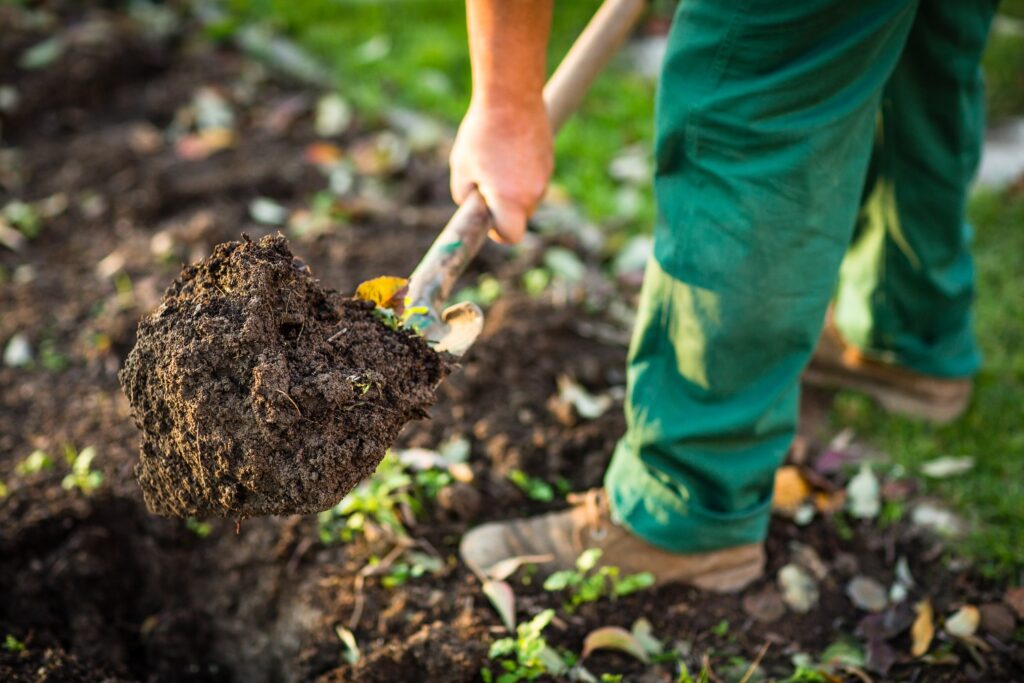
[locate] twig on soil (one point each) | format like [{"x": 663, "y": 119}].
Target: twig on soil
[
  {"x": 705, "y": 664},
  {"x": 291, "y": 400},
  {"x": 401, "y": 545},
  {"x": 757, "y": 660},
  {"x": 334, "y": 337}
]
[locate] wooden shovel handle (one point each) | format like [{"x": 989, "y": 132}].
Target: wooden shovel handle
[{"x": 432, "y": 281}]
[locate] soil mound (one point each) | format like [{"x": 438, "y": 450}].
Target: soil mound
[{"x": 259, "y": 392}]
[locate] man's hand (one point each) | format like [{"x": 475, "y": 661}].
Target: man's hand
[{"x": 503, "y": 147}]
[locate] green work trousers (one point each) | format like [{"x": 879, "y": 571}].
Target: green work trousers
[{"x": 787, "y": 132}]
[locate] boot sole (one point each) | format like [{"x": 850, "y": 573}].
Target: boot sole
[
  {"x": 938, "y": 410},
  {"x": 730, "y": 580}
]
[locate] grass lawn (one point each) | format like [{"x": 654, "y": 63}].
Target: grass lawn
[{"x": 413, "y": 53}]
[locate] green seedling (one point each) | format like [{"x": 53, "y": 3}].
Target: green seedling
[
  {"x": 378, "y": 500},
  {"x": 412, "y": 566},
  {"x": 534, "y": 488},
  {"x": 199, "y": 528},
  {"x": 12, "y": 644},
  {"x": 22, "y": 217},
  {"x": 527, "y": 656},
  {"x": 82, "y": 476},
  {"x": 587, "y": 583},
  {"x": 36, "y": 462},
  {"x": 49, "y": 357},
  {"x": 721, "y": 629}
]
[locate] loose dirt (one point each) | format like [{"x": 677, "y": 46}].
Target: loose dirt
[{"x": 258, "y": 392}]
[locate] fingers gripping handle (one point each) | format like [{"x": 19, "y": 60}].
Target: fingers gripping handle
[{"x": 432, "y": 281}]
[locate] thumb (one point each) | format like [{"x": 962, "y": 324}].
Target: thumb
[{"x": 509, "y": 218}]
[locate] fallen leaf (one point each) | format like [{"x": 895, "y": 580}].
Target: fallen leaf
[
  {"x": 503, "y": 569},
  {"x": 964, "y": 622},
  {"x": 421, "y": 132},
  {"x": 765, "y": 605},
  {"x": 565, "y": 264},
  {"x": 197, "y": 146},
  {"x": 799, "y": 589},
  {"x": 323, "y": 155},
  {"x": 1014, "y": 597},
  {"x": 333, "y": 115},
  {"x": 644, "y": 634},
  {"x": 42, "y": 54},
  {"x": 947, "y": 466},
  {"x": 348, "y": 639},
  {"x": 997, "y": 619},
  {"x": 18, "y": 352},
  {"x": 937, "y": 519},
  {"x": 863, "y": 498},
  {"x": 808, "y": 558},
  {"x": 880, "y": 656},
  {"x": 867, "y": 594},
  {"x": 829, "y": 503},
  {"x": 267, "y": 211},
  {"x": 588, "y": 406},
  {"x": 503, "y": 599},
  {"x": 923, "y": 629},
  {"x": 614, "y": 638},
  {"x": 383, "y": 291},
  {"x": 790, "y": 491}
]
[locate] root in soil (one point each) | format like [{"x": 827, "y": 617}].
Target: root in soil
[{"x": 258, "y": 392}]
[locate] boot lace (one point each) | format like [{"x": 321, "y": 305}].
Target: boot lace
[{"x": 596, "y": 515}]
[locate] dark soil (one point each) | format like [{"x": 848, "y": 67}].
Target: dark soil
[
  {"x": 97, "y": 588},
  {"x": 260, "y": 393}
]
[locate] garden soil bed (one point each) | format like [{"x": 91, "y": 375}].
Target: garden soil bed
[{"x": 95, "y": 587}]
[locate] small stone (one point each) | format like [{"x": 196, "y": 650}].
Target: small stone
[
  {"x": 867, "y": 594},
  {"x": 799, "y": 589},
  {"x": 18, "y": 352}
]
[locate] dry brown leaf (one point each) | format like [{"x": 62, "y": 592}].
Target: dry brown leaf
[
  {"x": 923, "y": 629},
  {"x": 791, "y": 490},
  {"x": 1014, "y": 597}
]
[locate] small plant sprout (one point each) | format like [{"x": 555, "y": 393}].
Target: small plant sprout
[
  {"x": 12, "y": 644},
  {"x": 36, "y": 462},
  {"x": 413, "y": 565},
  {"x": 587, "y": 583},
  {"x": 527, "y": 656},
  {"x": 199, "y": 528},
  {"x": 82, "y": 476},
  {"x": 534, "y": 488},
  {"x": 379, "y": 501}
]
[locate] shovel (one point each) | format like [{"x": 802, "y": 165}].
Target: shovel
[{"x": 455, "y": 328}]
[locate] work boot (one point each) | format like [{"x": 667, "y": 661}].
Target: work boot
[
  {"x": 837, "y": 365},
  {"x": 562, "y": 536}
]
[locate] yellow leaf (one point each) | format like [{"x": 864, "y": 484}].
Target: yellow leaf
[
  {"x": 790, "y": 489},
  {"x": 384, "y": 291},
  {"x": 923, "y": 630}
]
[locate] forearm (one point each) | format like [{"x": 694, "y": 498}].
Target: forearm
[{"x": 508, "y": 50}]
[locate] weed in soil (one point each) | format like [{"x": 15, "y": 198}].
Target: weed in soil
[{"x": 258, "y": 392}]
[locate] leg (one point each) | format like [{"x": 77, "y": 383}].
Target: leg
[
  {"x": 907, "y": 284},
  {"x": 765, "y": 121}
]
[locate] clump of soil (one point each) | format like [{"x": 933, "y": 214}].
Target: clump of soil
[{"x": 258, "y": 392}]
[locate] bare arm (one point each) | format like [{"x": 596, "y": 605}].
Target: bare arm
[{"x": 504, "y": 146}]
